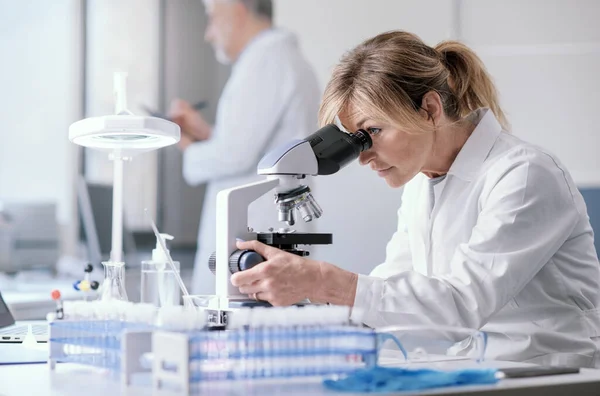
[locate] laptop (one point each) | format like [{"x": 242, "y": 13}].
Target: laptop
[{"x": 15, "y": 332}]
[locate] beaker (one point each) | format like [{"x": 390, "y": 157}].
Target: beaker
[
  {"x": 113, "y": 287},
  {"x": 159, "y": 285}
]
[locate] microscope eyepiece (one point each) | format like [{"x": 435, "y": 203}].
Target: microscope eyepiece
[
  {"x": 335, "y": 148},
  {"x": 363, "y": 139}
]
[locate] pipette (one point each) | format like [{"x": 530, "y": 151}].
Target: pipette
[{"x": 163, "y": 246}]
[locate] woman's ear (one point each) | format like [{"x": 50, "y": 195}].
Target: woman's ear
[{"x": 432, "y": 106}]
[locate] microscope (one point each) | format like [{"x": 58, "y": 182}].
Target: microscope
[{"x": 324, "y": 152}]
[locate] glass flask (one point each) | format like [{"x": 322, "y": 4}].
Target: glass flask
[{"x": 113, "y": 287}]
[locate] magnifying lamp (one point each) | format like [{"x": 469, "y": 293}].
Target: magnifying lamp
[{"x": 122, "y": 135}]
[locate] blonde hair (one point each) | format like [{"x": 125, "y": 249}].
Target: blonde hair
[{"x": 387, "y": 76}]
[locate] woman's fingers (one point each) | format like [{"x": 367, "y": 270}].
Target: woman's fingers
[
  {"x": 264, "y": 250},
  {"x": 252, "y": 288}
]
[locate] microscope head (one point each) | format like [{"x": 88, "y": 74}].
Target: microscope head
[{"x": 323, "y": 153}]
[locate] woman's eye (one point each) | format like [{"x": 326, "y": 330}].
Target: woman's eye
[{"x": 373, "y": 131}]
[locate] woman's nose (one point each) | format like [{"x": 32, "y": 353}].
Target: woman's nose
[{"x": 365, "y": 157}]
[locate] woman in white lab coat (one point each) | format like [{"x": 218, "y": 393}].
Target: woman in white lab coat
[{"x": 492, "y": 232}]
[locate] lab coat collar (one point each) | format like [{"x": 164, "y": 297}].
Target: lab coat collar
[{"x": 477, "y": 147}]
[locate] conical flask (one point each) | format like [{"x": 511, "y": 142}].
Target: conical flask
[{"x": 113, "y": 287}]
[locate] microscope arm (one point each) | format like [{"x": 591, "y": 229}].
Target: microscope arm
[{"x": 232, "y": 223}]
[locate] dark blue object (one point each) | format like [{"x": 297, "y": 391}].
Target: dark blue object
[
  {"x": 76, "y": 285},
  {"x": 391, "y": 379},
  {"x": 249, "y": 259}
]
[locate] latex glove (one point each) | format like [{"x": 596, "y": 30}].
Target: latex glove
[
  {"x": 395, "y": 379},
  {"x": 192, "y": 124},
  {"x": 283, "y": 279}
]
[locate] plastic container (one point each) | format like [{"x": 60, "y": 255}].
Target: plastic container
[
  {"x": 262, "y": 343},
  {"x": 182, "y": 362},
  {"x": 159, "y": 283},
  {"x": 432, "y": 344},
  {"x": 93, "y": 333}
]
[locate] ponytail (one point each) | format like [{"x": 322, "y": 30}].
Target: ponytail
[
  {"x": 469, "y": 81},
  {"x": 388, "y": 75}
]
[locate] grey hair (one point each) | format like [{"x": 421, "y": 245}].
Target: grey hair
[{"x": 260, "y": 8}]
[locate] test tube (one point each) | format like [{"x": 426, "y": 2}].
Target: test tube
[
  {"x": 259, "y": 327},
  {"x": 255, "y": 342},
  {"x": 292, "y": 321},
  {"x": 237, "y": 322},
  {"x": 245, "y": 341},
  {"x": 278, "y": 334},
  {"x": 268, "y": 348},
  {"x": 120, "y": 93},
  {"x": 79, "y": 329},
  {"x": 323, "y": 330},
  {"x": 102, "y": 339},
  {"x": 339, "y": 337},
  {"x": 305, "y": 338}
]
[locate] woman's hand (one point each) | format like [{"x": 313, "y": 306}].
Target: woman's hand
[{"x": 285, "y": 278}]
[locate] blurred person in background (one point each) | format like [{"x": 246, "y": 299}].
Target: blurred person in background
[{"x": 271, "y": 97}]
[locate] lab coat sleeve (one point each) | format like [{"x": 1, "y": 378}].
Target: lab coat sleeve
[
  {"x": 397, "y": 252},
  {"x": 250, "y": 117},
  {"x": 524, "y": 219}
]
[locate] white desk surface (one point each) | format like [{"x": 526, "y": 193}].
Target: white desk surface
[{"x": 76, "y": 380}]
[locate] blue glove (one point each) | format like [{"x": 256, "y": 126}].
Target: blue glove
[{"x": 391, "y": 379}]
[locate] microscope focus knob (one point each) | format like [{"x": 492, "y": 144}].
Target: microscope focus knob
[
  {"x": 212, "y": 263},
  {"x": 240, "y": 260}
]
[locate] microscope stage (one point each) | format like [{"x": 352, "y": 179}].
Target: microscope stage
[{"x": 294, "y": 238}]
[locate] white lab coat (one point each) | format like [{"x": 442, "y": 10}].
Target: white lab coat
[
  {"x": 508, "y": 248},
  {"x": 271, "y": 97}
]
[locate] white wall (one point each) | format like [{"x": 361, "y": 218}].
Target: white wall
[
  {"x": 41, "y": 82},
  {"x": 124, "y": 36},
  {"x": 545, "y": 57},
  {"x": 359, "y": 208}
]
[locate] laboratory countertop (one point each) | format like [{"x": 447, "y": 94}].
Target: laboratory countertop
[
  {"x": 75, "y": 380},
  {"x": 28, "y": 297}
]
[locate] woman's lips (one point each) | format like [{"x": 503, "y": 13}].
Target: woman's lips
[{"x": 384, "y": 172}]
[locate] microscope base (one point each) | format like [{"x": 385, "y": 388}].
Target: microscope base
[{"x": 255, "y": 304}]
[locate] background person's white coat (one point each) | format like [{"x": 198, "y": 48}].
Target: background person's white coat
[
  {"x": 271, "y": 98},
  {"x": 507, "y": 248}
]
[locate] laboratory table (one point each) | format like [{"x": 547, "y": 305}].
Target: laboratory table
[
  {"x": 76, "y": 380},
  {"x": 30, "y": 300}
]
